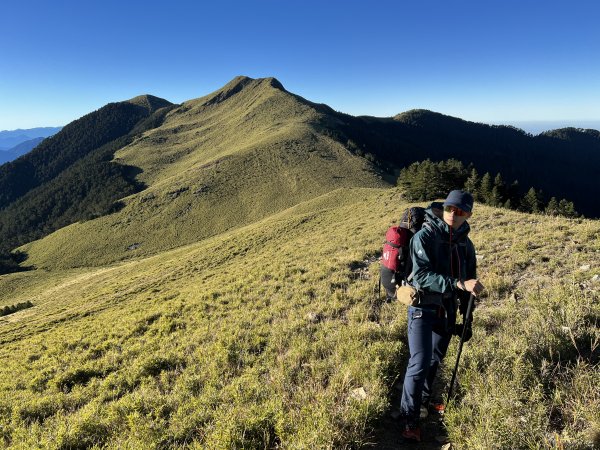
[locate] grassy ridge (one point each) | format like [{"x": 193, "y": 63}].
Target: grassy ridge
[
  {"x": 531, "y": 373},
  {"x": 250, "y": 338},
  {"x": 219, "y": 162},
  {"x": 262, "y": 336}
]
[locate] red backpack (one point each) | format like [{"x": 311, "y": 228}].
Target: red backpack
[
  {"x": 395, "y": 253},
  {"x": 396, "y": 242}
]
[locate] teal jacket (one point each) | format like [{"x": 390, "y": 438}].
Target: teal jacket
[{"x": 441, "y": 256}]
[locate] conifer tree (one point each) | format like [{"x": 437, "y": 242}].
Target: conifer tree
[
  {"x": 552, "y": 207},
  {"x": 453, "y": 173},
  {"x": 495, "y": 197},
  {"x": 531, "y": 201},
  {"x": 427, "y": 180},
  {"x": 485, "y": 189},
  {"x": 566, "y": 208},
  {"x": 472, "y": 184},
  {"x": 513, "y": 193}
]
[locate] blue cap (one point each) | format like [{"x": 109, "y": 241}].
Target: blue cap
[{"x": 461, "y": 199}]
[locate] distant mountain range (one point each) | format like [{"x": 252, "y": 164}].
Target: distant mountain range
[
  {"x": 171, "y": 175},
  {"x": 16, "y": 143},
  {"x": 11, "y": 138},
  {"x": 540, "y": 126},
  {"x": 20, "y": 149}
]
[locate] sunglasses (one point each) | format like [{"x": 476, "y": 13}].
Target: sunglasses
[{"x": 455, "y": 210}]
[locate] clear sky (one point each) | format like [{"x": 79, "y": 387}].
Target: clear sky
[{"x": 485, "y": 61}]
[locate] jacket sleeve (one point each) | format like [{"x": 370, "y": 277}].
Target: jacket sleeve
[{"x": 424, "y": 276}]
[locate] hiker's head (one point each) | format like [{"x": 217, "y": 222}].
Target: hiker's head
[{"x": 457, "y": 208}]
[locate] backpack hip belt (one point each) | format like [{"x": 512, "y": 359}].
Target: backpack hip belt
[{"x": 429, "y": 298}]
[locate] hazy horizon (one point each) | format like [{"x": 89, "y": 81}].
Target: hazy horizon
[
  {"x": 539, "y": 126},
  {"x": 530, "y": 126}
]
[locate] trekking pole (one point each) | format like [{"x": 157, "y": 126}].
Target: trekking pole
[{"x": 460, "y": 344}]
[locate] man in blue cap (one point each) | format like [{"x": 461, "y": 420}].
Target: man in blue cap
[{"x": 444, "y": 273}]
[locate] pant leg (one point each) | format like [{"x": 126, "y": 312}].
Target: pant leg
[
  {"x": 439, "y": 344},
  {"x": 440, "y": 339},
  {"x": 420, "y": 325}
]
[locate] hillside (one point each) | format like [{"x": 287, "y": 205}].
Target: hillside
[
  {"x": 175, "y": 174},
  {"x": 70, "y": 177},
  {"x": 562, "y": 162},
  {"x": 229, "y": 159},
  {"x": 269, "y": 335},
  {"x": 73, "y": 142}
]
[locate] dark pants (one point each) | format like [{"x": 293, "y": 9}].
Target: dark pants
[{"x": 429, "y": 333}]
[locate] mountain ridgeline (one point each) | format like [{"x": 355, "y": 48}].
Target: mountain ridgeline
[
  {"x": 72, "y": 143},
  {"x": 562, "y": 163},
  {"x": 158, "y": 176},
  {"x": 70, "y": 176}
]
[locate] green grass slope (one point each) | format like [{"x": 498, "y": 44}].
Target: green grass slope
[
  {"x": 219, "y": 162},
  {"x": 268, "y": 336},
  {"x": 70, "y": 177},
  {"x": 253, "y": 337}
]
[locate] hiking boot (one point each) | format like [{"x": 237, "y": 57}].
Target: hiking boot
[
  {"x": 428, "y": 407},
  {"x": 438, "y": 407},
  {"x": 412, "y": 433}
]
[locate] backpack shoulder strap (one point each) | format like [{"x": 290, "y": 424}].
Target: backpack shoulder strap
[{"x": 408, "y": 275}]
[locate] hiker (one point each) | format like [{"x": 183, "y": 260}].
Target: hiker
[{"x": 444, "y": 274}]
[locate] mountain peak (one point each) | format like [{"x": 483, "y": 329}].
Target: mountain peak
[
  {"x": 149, "y": 102},
  {"x": 238, "y": 84},
  {"x": 414, "y": 116},
  {"x": 273, "y": 82},
  {"x": 571, "y": 133},
  {"x": 242, "y": 81}
]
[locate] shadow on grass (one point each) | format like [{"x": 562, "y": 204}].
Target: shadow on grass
[
  {"x": 10, "y": 262},
  {"x": 387, "y": 430}
]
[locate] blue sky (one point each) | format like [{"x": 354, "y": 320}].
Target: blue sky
[{"x": 484, "y": 61}]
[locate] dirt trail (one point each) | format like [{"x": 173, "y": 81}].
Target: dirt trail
[{"x": 387, "y": 433}]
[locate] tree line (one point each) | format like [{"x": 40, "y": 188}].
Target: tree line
[
  {"x": 428, "y": 180},
  {"x": 6, "y": 310},
  {"x": 561, "y": 162}
]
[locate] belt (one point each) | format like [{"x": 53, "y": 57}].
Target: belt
[{"x": 428, "y": 298}]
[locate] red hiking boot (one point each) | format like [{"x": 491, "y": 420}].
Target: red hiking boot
[{"x": 440, "y": 408}]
